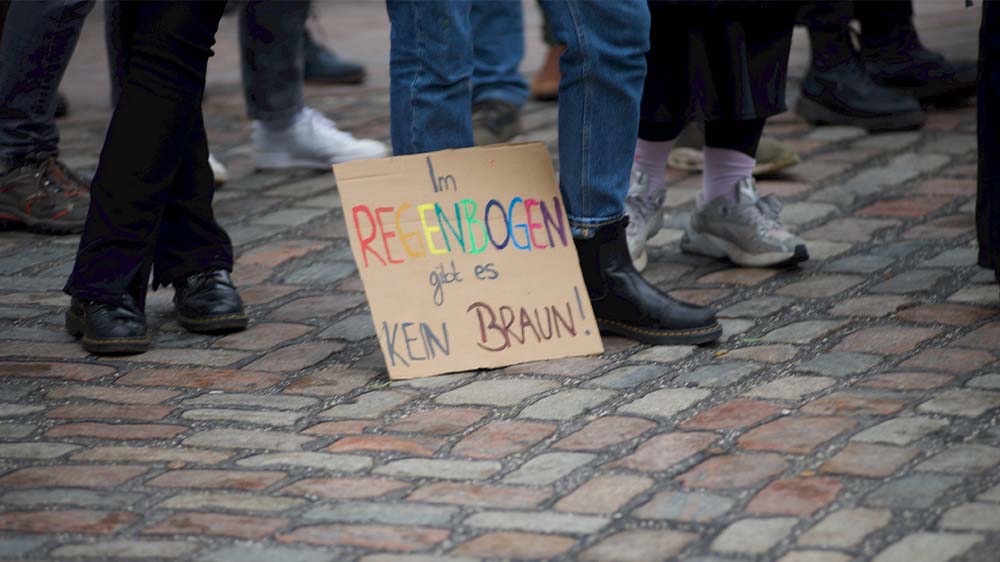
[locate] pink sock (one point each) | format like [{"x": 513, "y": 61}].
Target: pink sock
[
  {"x": 724, "y": 168},
  {"x": 651, "y": 159}
]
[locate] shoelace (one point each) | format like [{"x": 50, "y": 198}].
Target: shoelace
[
  {"x": 763, "y": 213},
  {"x": 644, "y": 201},
  {"x": 50, "y": 176}
]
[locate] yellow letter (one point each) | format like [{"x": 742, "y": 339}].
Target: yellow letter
[{"x": 428, "y": 230}]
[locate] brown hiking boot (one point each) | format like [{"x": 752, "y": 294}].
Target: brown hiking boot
[{"x": 44, "y": 196}]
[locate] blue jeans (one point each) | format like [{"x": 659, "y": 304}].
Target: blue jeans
[
  {"x": 497, "y": 50},
  {"x": 271, "y": 36},
  {"x": 431, "y": 65},
  {"x": 38, "y": 41}
]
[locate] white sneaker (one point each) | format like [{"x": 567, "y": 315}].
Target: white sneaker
[
  {"x": 645, "y": 216},
  {"x": 747, "y": 232},
  {"x": 312, "y": 141},
  {"x": 219, "y": 171}
]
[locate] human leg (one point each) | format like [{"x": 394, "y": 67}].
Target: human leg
[
  {"x": 894, "y": 56},
  {"x": 603, "y": 70},
  {"x": 146, "y": 150},
  {"x": 286, "y": 133},
  {"x": 431, "y": 66},
  {"x": 837, "y": 90},
  {"x": 731, "y": 220},
  {"x": 498, "y": 89},
  {"x": 988, "y": 131},
  {"x": 36, "y": 189}
]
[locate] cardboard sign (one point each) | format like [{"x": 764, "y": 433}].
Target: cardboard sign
[{"x": 467, "y": 259}]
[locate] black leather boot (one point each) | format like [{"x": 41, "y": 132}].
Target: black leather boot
[
  {"x": 846, "y": 95},
  {"x": 901, "y": 61},
  {"x": 208, "y": 302},
  {"x": 108, "y": 328},
  {"x": 321, "y": 65},
  {"x": 627, "y": 305}
]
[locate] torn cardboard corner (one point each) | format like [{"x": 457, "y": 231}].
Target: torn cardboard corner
[{"x": 467, "y": 259}]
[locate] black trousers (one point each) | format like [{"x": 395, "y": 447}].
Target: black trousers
[
  {"x": 723, "y": 64},
  {"x": 151, "y": 198},
  {"x": 882, "y": 22},
  {"x": 988, "y": 113}
]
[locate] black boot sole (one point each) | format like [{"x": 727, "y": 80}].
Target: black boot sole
[
  {"x": 117, "y": 346},
  {"x": 689, "y": 336},
  {"x": 818, "y": 114},
  {"x": 214, "y": 324}
]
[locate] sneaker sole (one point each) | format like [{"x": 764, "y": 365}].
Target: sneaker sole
[
  {"x": 117, "y": 346},
  {"x": 691, "y": 336},
  {"x": 42, "y": 226},
  {"x": 820, "y": 115},
  {"x": 214, "y": 324},
  {"x": 715, "y": 247}
]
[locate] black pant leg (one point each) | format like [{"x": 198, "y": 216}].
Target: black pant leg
[
  {"x": 828, "y": 24},
  {"x": 190, "y": 240},
  {"x": 988, "y": 113},
  {"x": 882, "y": 20},
  {"x": 742, "y": 135},
  {"x": 149, "y": 142}
]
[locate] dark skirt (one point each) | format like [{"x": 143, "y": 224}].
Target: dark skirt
[
  {"x": 988, "y": 108},
  {"x": 712, "y": 61}
]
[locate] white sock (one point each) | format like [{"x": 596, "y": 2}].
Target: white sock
[
  {"x": 724, "y": 168},
  {"x": 651, "y": 159}
]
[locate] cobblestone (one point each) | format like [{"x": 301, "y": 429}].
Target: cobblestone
[
  {"x": 754, "y": 536},
  {"x": 638, "y": 546},
  {"x": 846, "y": 528}
]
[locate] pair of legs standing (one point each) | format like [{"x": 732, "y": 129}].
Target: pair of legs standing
[
  {"x": 151, "y": 204},
  {"x": 724, "y": 65},
  {"x": 603, "y": 67}
]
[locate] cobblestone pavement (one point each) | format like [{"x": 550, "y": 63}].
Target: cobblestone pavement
[{"x": 849, "y": 413}]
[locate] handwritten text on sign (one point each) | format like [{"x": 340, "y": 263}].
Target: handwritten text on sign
[{"x": 467, "y": 259}]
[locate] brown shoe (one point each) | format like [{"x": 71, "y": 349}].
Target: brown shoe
[
  {"x": 545, "y": 84},
  {"x": 44, "y": 196}
]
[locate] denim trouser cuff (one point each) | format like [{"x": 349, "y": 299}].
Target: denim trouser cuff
[{"x": 584, "y": 228}]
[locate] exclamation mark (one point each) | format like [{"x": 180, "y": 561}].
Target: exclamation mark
[{"x": 579, "y": 305}]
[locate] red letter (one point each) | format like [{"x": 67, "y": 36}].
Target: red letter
[
  {"x": 366, "y": 242},
  {"x": 528, "y": 204},
  {"x": 385, "y": 235}
]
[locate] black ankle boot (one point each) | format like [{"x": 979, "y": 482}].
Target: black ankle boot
[
  {"x": 900, "y": 61},
  {"x": 837, "y": 90},
  {"x": 627, "y": 305},
  {"x": 108, "y": 328},
  {"x": 208, "y": 302}
]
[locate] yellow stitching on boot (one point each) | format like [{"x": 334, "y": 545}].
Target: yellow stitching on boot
[{"x": 212, "y": 319}]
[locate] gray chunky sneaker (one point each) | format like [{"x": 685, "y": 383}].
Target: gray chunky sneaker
[
  {"x": 645, "y": 214},
  {"x": 747, "y": 232}
]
